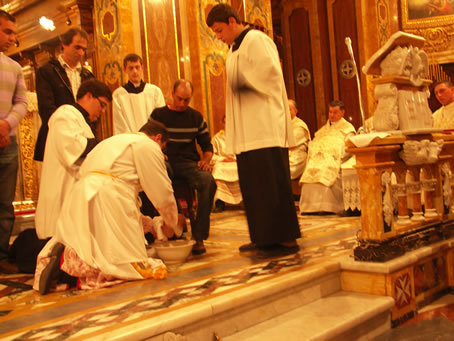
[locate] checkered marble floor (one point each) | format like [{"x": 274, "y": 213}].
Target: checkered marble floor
[{"x": 24, "y": 314}]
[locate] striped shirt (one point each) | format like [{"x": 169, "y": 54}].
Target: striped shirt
[
  {"x": 13, "y": 94},
  {"x": 185, "y": 128}
]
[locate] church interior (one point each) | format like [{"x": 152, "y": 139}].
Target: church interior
[{"x": 386, "y": 273}]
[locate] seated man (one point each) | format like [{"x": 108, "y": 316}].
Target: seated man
[
  {"x": 298, "y": 154},
  {"x": 69, "y": 140},
  {"x": 444, "y": 117},
  {"x": 225, "y": 173},
  {"x": 321, "y": 189},
  {"x": 99, "y": 237},
  {"x": 186, "y": 126}
]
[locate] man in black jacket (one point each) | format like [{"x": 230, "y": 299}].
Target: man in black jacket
[{"x": 58, "y": 81}]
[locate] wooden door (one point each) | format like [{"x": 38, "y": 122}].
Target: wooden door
[{"x": 319, "y": 68}]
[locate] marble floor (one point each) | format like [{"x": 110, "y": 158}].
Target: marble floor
[{"x": 222, "y": 271}]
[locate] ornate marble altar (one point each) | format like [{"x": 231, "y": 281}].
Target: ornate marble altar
[{"x": 406, "y": 243}]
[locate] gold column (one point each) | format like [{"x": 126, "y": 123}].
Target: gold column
[
  {"x": 115, "y": 35},
  {"x": 207, "y": 55},
  {"x": 175, "y": 43}
]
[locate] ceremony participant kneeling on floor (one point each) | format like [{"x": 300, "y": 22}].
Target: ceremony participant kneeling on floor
[
  {"x": 99, "y": 238},
  {"x": 71, "y": 136}
]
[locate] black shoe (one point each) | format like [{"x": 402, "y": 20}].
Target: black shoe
[
  {"x": 248, "y": 247},
  {"x": 198, "y": 248},
  {"x": 219, "y": 206},
  {"x": 277, "y": 251},
  {"x": 52, "y": 271}
]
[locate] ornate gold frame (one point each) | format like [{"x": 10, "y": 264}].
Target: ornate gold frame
[{"x": 428, "y": 22}]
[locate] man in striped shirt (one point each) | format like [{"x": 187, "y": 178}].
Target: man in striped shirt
[
  {"x": 13, "y": 106},
  {"x": 186, "y": 126}
]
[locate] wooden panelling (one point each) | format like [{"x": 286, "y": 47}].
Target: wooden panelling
[
  {"x": 342, "y": 24},
  {"x": 302, "y": 60},
  {"x": 162, "y": 45}
]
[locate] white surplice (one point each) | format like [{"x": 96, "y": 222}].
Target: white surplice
[
  {"x": 130, "y": 111},
  {"x": 225, "y": 173},
  {"x": 256, "y": 97},
  {"x": 66, "y": 141},
  {"x": 321, "y": 189},
  {"x": 444, "y": 117},
  {"x": 297, "y": 155},
  {"x": 100, "y": 219}
]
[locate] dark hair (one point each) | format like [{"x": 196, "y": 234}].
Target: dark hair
[
  {"x": 443, "y": 81},
  {"x": 222, "y": 13},
  {"x": 67, "y": 38},
  {"x": 337, "y": 103},
  {"x": 180, "y": 82},
  {"x": 132, "y": 57},
  {"x": 96, "y": 88},
  {"x": 153, "y": 128},
  {"x": 7, "y": 16}
]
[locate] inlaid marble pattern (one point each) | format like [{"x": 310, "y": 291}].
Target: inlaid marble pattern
[{"x": 24, "y": 314}]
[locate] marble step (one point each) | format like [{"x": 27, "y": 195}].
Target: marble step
[
  {"x": 237, "y": 308},
  {"x": 340, "y": 316}
]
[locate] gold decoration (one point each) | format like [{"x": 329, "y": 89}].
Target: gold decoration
[
  {"x": 383, "y": 21},
  {"x": 27, "y": 144},
  {"x": 437, "y": 38},
  {"x": 423, "y": 17}
]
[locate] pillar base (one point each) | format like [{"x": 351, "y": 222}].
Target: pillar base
[{"x": 382, "y": 251}]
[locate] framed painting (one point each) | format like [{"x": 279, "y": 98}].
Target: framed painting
[{"x": 427, "y": 13}]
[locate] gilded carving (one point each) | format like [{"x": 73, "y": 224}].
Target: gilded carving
[
  {"x": 383, "y": 21},
  {"x": 437, "y": 39},
  {"x": 112, "y": 75},
  {"x": 27, "y": 148},
  {"x": 257, "y": 12},
  {"x": 215, "y": 64},
  {"x": 28, "y": 181},
  {"x": 107, "y": 19}
]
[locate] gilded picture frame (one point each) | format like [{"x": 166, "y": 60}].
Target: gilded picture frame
[{"x": 426, "y": 14}]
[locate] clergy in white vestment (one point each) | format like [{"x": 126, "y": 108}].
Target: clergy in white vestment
[
  {"x": 321, "y": 189},
  {"x": 297, "y": 155},
  {"x": 134, "y": 101},
  {"x": 225, "y": 172},
  {"x": 259, "y": 131},
  {"x": 70, "y": 138},
  {"x": 100, "y": 236},
  {"x": 444, "y": 117}
]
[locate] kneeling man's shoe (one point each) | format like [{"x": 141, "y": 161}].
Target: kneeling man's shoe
[{"x": 52, "y": 271}]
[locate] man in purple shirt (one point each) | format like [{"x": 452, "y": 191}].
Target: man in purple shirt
[{"x": 13, "y": 106}]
